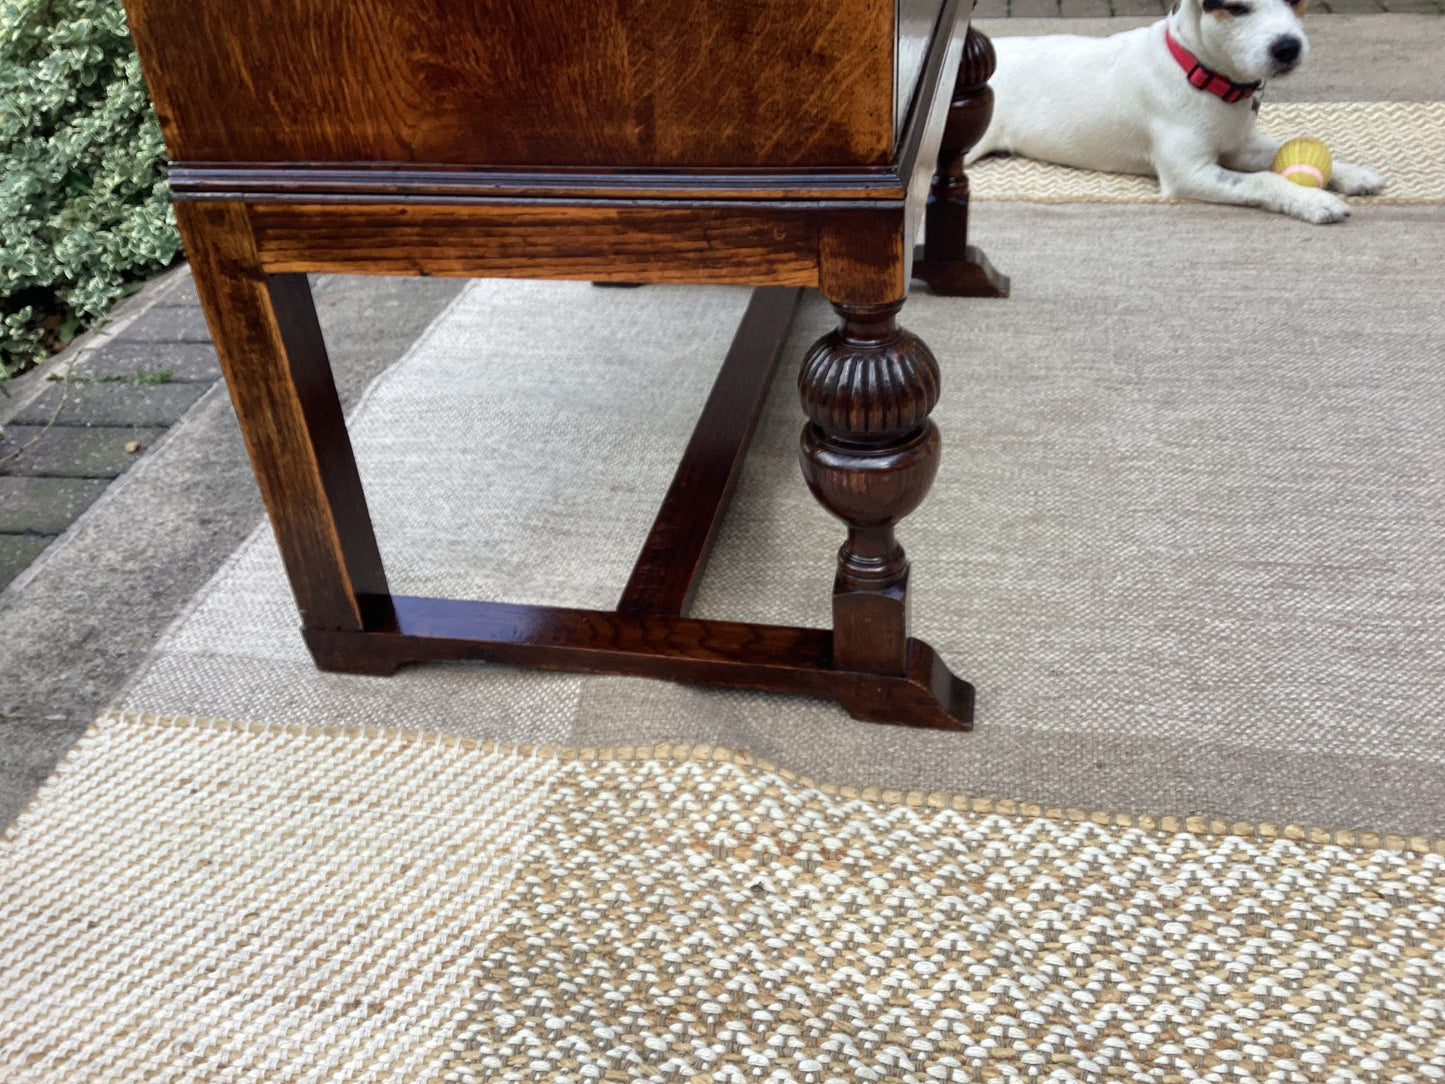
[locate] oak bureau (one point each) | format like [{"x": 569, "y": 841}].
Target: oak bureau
[{"x": 781, "y": 144}]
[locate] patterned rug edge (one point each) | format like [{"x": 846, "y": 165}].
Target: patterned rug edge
[
  {"x": 1195, "y": 825},
  {"x": 1410, "y": 136}
]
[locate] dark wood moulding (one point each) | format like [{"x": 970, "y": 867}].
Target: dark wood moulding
[{"x": 392, "y": 179}]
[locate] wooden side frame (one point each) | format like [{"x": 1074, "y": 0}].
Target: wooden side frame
[{"x": 250, "y": 254}]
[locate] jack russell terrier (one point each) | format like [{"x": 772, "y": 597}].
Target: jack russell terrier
[{"x": 1175, "y": 100}]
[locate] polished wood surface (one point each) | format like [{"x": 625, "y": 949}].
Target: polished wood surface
[
  {"x": 869, "y": 455},
  {"x": 761, "y": 142},
  {"x": 692, "y": 83},
  {"x": 723, "y": 653},
  {"x": 350, "y": 183},
  {"x": 946, "y": 261},
  {"x": 599, "y": 241},
  {"x": 274, "y": 359}
]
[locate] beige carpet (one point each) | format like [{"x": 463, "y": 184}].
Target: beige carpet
[
  {"x": 1404, "y": 141},
  {"x": 1186, "y": 538},
  {"x": 190, "y": 900}
]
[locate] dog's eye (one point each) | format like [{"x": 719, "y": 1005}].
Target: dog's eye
[{"x": 1238, "y": 9}]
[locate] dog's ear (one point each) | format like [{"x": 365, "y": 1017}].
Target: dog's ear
[{"x": 1190, "y": 12}]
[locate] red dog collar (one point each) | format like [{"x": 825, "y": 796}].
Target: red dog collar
[{"x": 1201, "y": 77}]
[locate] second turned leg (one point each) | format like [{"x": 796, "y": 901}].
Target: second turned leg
[
  {"x": 869, "y": 455},
  {"x": 946, "y": 261}
]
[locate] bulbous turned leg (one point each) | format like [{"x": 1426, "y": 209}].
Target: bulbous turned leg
[
  {"x": 869, "y": 455},
  {"x": 947, "y": 262}
]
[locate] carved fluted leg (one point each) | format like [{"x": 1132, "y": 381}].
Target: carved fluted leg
[
  {"x": 947, "y": 262},
  {"x": 869, "y": 454}
]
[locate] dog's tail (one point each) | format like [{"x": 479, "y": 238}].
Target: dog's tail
[{"x": 983, "y": 149}]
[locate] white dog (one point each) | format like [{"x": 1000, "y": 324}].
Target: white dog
[{"x": 1176, "y": 100}]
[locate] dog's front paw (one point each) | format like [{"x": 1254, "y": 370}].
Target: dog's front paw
[
  {"x": 1352, "y": 180},
  {"x": 1317, "y": 206}
]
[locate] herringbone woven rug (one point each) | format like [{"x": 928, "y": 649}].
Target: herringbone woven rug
[{"x": 1404, "y": 141}]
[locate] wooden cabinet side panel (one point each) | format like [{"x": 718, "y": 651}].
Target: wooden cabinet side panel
[{"x": 649, "y": 83}]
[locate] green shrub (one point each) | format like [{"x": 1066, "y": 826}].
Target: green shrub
[{"x": 85, "y": 212}]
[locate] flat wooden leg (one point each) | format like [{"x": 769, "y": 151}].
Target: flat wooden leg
[
  {"x": 869, "y": 454},
  {"x": 271, "y": 351},
  {"x": 946, "y": 261}
]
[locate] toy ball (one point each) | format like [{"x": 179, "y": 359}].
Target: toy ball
[{"x": 1305, "y": 161}]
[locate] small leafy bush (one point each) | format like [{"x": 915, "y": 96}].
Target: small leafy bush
[{"x": 85, "y": 211}]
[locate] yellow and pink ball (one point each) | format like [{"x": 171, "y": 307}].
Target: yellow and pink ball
[{"x": 1305, "y": 161}]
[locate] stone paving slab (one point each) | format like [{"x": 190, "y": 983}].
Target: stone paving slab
[
  {"x": 186, "y": 362},
  {"x": 170, "y": 323},
  {"x": 16, "y": 553},
  {"x": 179, "y": 290},
  {"x": 45, "y": 506},
  {"x": 67, "y": 451},
  {"x": 84, "y": 612},
  {"x": 105, "y": 403},
  {"x": 31, "y": 746},
  {"x": 1044, "y": 9},
  {"x": 1155, "y": 8}
]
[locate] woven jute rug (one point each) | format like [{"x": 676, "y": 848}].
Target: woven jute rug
[
  {"x": 1185, "y": 539},
  {"x": 1405, "y": 141},
  {"x": 197, "y": 900}
]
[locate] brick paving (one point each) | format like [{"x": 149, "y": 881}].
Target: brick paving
[
  {"x": 17, "y": 551},
  {"x": 185, "y": 361},
  {"x": 115, "y": 403},
  {"x": 76, "y": 451},
  {"x": 62, "y": 448},
  {"x": 46, "y": 506}
]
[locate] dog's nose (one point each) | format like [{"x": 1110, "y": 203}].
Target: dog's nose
[{"x": 1285, "y": 49}]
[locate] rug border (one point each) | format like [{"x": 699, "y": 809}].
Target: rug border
[
  {"x": 1156, "y": 198},
  {"x": 1196, "y": 825}
]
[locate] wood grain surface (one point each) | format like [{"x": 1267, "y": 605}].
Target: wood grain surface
[
  {"x": 603, "y": 83},
  {"x": 274, "y": 359},
  {"x": 602, "y": 242},
  {"x": 777, "y": 658}
]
